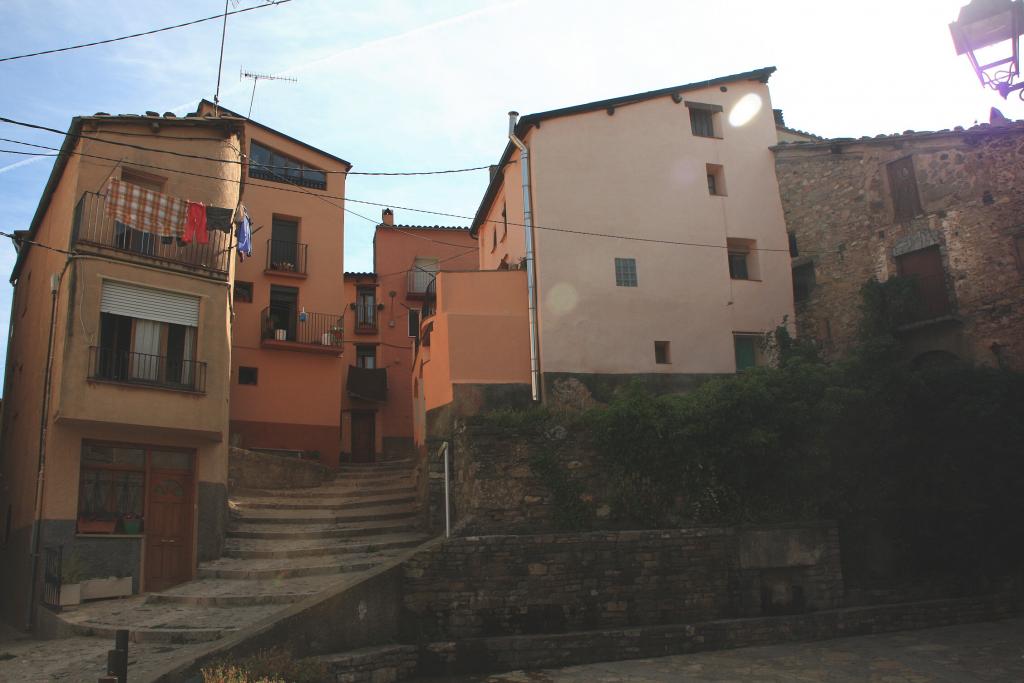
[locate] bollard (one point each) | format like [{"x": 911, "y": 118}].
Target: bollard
[{"x": 117, "y": 659}]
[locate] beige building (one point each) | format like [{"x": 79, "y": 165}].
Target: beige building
[
  {"x": 661, "y": 251},
  {"x": 115, "y": 409}
]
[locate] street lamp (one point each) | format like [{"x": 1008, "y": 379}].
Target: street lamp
[{"x": 982, "y": 24}]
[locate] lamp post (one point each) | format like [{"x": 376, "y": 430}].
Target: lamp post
[{"x": 986, "y": 23}]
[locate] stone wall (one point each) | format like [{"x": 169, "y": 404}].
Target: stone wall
[
  {"x": 555, "y": 583},
  {"x": 838, "y": 204},
  {"x": 248, "y": 470}
]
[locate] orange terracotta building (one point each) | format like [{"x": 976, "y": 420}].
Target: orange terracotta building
[
  {"x": 289, "y": 319},
  {"x": 386, "y": 307}
]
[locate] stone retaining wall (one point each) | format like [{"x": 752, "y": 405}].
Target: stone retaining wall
[
  {"x": 505, "y": 653},
  {"x": 248, "y": 470},
  {"x": 553, "y": 583}
]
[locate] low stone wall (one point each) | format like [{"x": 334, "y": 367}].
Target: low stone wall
[
  {"x": 248, "y": 470},
  {"x": 505, "y": 653},
  {"x": 553, "y": 583}
]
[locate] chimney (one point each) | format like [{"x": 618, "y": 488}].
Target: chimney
[
  {"x": 779, "y": 119},
  {"x": 387, "y": 217}
]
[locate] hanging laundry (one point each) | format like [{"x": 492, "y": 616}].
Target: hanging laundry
[
  {"x": 145, "y": 210},
  {"x": 244, "y": 233},
  {"x": 195, "y": 224},
  {"x": 219, "y": 218}
]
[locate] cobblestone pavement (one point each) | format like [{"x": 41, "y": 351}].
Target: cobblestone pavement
[{"x": 973, "y": 653}]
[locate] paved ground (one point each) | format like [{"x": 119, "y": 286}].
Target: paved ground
[{"x": 973, "y": 653}]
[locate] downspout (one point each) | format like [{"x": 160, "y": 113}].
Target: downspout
[
  {"x": 55, "y": 282},
  {"x": 531, "y": 273}
]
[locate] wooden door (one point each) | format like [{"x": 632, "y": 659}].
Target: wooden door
[
  {"x": 363, "y": 437},
  {"x": 925, "y": 266},
  {"x": 168, "y": 529}
]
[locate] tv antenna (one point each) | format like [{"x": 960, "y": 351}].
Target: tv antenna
[{"x": 256, "y": 78}]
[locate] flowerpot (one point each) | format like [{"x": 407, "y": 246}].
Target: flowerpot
[
  {"x": 70, "y": 594},
  {"x": 111, "y": 587},
  {"x": 281, "y": 335},
  {"x": 326, "y": 339},
  {"x": 96, "y": 526},
  {"x": 131, "y": 526}
]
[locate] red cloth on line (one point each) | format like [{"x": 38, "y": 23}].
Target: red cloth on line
[{"x": 195, "y": 224}]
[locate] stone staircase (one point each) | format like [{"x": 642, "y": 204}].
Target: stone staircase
[{"x": 283, "y": 546}]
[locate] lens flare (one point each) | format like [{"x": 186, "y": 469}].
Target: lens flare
[{"x": 744, "y": 111}]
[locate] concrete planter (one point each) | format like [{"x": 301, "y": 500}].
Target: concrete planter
[
  {"x": 112, "y": 587},
  {"x": 70, "y": 594}
]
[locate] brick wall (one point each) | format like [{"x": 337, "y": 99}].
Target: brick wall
[
  {"x": 554, "y": 583},
  {"x": 838, "y": 203}
]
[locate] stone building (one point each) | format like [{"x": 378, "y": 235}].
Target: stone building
[{"x": 944, "y": 207}]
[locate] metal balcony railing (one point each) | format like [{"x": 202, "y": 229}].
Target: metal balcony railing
[
  {"x": 142, "y": 368},
  {"x": 429, "y": 304},
  {"x": 92, "y": 225},
  {"x": 287, "y": 257},
  {"x": 419, "y": 281},
  {"x": 366, "y": 318},
  {"x": 285, "y": 324}
]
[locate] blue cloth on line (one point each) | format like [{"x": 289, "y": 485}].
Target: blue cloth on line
[{"x": 244, "y": 234}]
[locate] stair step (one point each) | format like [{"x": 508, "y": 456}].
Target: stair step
[
  {"x": 231, "y": 568},
  {"x": 330, "y": 491},
  {"x": 322, "y": 503},
  {"x": 264, "y": 549},
  {"x": 241, "y": 592},
  {"x": 286, "y": 532},
  {"x": 271, "y": 516},
  {"x": 381, "y": 464}
]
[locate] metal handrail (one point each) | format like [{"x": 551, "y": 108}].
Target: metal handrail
[
  {"x": 287, "y": 257},
  {"x": 147, "y": 369},
  {"x": 285, "y": 324}
]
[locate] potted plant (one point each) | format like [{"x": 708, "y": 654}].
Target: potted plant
[
  {"x": 131, "y": 523},
  {"x": 71, "y": 572},
  {"x": 100, "y": 523}
]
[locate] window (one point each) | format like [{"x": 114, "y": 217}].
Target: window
[
  {"x": 494, "y": 238},
  {"x": 716, "y": 180},
  {"x": 283, "y": 312},
  {"x": 144, "y": 180},
  {"x": 925, "y": 267},
  {"x": 504, "y": 220},
  {"x": 803, "y": 281},
  {"x": 285, "y": 253},
  {"x": 906, "y": 202},
  {"x": 1018, "y": 246},
  {"x": 794, "y": 250},
  {"x": 625, "y": 272},
  {"x": 366, "y": 307},
  {"x": 748, "y": 351},
  {"x": 247, "y": 375},
  {"x": 414, "y": 323},
  {"x": 742, "y": 259},
  {"x": 267, "y": 164},
  {"x": 703, "y": 119},
  {"x": 662, "y": 354},
  {"x": 112, "y": 484},
  {"x": 366, "y": 356},
  {"x": 148, "y": 336},
  {"x": 243, "y": 292}
]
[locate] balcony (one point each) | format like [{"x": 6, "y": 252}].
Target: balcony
[
  {"x": 283, "y": 327},
  {"x": 126, "y": 367},
  {"x": 286, "y": 258},
  {"x": 420, "y": 283},
  {"x": 429, "y": 301},
  {"x": 368, "y": 384},
  {"x": 366, "y": 318},
  {"x": 92, "y": 226}
]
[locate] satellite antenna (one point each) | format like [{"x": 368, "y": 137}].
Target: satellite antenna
[{"x": 256, "y": 78}]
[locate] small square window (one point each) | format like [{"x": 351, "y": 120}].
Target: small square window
[
  {"x": 803, "y": 281},
  {"x": 748, "y": 351},
  {"x": 738, "y": 266},
  {"x": 662, "y": 353},
  {"x": 247, "y": 375},
  {"x": 702, "y": 123},
  {"x": 794, "y": 249},
  {"x": 243, "y": 292},
  {"x": 366, "y": 357},
  {"x": 625, "y": 272},
  {"x": 742, "y": 254},
  {"x": 716, "y": 180}
]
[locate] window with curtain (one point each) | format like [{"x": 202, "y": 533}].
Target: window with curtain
[{"x": 133, "y": 349}]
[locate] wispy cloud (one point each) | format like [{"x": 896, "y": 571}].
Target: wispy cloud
[{"x": 19, "y": 164}]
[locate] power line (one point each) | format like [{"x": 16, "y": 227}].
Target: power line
[
  {"x": 325, "y": 197},
  {"x": 144, "y": 33},
  {"x": 247, "y": 158}
]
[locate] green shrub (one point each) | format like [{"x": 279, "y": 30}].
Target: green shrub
[{"x": 275, "y": 665}]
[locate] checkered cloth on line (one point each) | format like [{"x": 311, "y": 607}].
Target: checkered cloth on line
[{"x": 146, "y": 210}]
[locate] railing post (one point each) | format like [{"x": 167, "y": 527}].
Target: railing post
[{"x": 117, "y": 659}]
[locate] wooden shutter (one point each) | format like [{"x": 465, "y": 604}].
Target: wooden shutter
[
  {"x": 925, "y": 266},
  {"x": 906, "y": 202},
  {"x": 144, "y": 303}
]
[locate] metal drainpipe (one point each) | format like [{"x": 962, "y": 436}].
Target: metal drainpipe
[{"x": 531, "y": 274}]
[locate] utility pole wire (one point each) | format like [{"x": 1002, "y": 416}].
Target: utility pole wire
[{"x": 140, "y": 35}]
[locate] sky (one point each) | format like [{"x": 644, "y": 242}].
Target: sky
[{"x": 401, "y": 85}]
